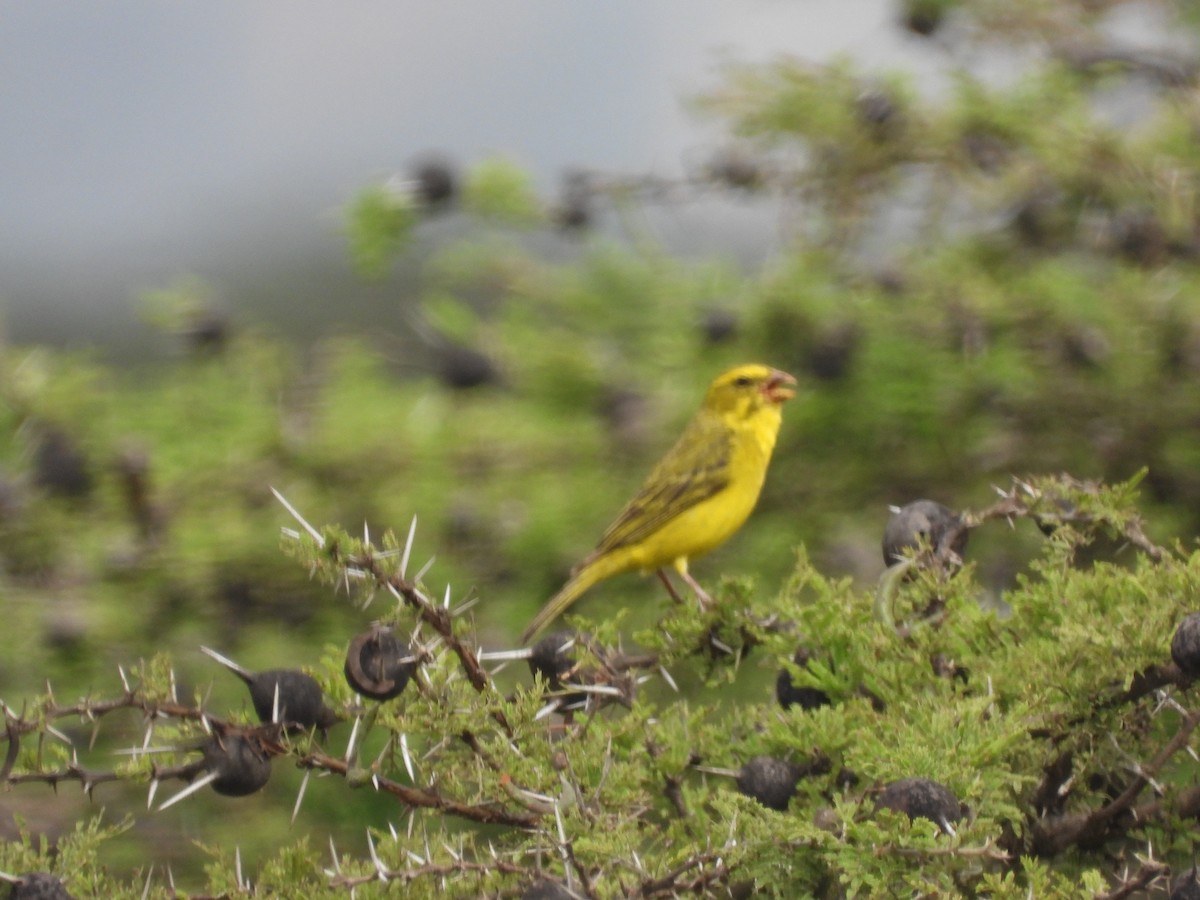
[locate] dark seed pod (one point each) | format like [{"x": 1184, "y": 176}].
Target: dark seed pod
[
  {"x": 923, "y": 17},
  {"x": 770, "y": 781},
  {"x": 60, "y": 466},
  {"x": 1140, "y": 237},
  {"x": 846, "y": 779},
  {"x": 921, "y": 798},
  {"x": 551, "y": 658},
  {"x": 945, "y": 667},
  {"x": 832, "y": 351},
  {"x": 1186, "y": 886},
  {"x": 240, "y": 764},
  {"x": 39, "y": 886},
  {"x": 736, "y": 168},
  {"x": 1185, "y": 645},
  {"x": 574, "y": 210},
  {"x": 436, "y": 184},
  {"x": 719, "y": 326},
  {"x": 877, "y": 703},
  {"x": 789, "y": 694},
  {"x": 940, "y": 527},
  {"x": 879, "y": 112},
  {"x": 546, "y": 889},
  {"x": 286, "y": 696},
  {"x": 378, "y": 664},
  {"x": 300, "y": 700},
  {"x": 1041, "y": 218},
  {"x": 462, "y": 368},
  {"x": 207, "y": 331}
]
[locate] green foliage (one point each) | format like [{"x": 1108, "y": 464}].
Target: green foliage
[
  {"x": 1037, "y": 314},
  {"x": 499, "y": 190},
  {"x": 379, "y": 224}
]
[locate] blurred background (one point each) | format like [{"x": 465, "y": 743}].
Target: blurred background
[
  {"x": 145, "y": 141},
  {"x": 475, "y": 263}
]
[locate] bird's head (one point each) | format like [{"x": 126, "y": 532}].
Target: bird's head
[{"x": 746, "y": 389}]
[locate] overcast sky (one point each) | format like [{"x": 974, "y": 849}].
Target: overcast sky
[{"x": 146, "y": 140}]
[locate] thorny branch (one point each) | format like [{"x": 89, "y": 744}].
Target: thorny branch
[
  {"x": 1050, "y": 509},
  {"x": 421, "y": 798},
  {"x": 1053, "y": 835},
  {"x": 437, "y": 617},
  {"x": 712, "y": 870},
  {"x": 1141, "y": 880},
  {"x": 430, "y": 870},
  {"x": 265, "y": 736}
]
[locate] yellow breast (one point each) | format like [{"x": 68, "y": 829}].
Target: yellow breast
[{"x": 713, "y": 521}]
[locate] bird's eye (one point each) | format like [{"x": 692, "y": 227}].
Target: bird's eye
[{"x": 743, "y": 381}]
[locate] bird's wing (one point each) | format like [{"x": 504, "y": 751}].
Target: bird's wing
[{"x": 696, "y": 468}]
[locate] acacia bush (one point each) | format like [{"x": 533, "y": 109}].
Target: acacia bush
[
  {"x": 1008, "y": 717},
  {"x": 1058, "y": 729}
]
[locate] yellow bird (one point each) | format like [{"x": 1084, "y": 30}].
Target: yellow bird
[{"x": 697, "y": 496}]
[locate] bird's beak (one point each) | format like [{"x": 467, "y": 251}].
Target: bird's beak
[{"x": 779, "y": 386}]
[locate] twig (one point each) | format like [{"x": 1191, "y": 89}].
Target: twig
[
  {"x": 1052, "y": 836},
  {"x": 427, "y": 798}
]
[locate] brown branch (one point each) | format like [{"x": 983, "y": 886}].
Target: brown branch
[
  {"x": 670, "y": 884},
  {"x": 1141, "y": 880},
  {"x": 1050, "y": 510},
  {"x": 437, "y": 617},
  {"x": 1052, "y": 836},
  {"x": 1148, "y": 681},
  {"x": 95, "y": 709},
  {"x": 88, "y": 779},
  {"x": 422, "y": 798}
]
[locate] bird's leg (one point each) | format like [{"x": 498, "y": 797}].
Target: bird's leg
[
  {"x": 666, "y": 580},
  {"x": 701, "y": 594}
]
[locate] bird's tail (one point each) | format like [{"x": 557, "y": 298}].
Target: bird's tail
[{"x": 581, "y": 579}]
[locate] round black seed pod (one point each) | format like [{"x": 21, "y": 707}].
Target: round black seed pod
[
  {"x": 1186, "y": 886},
  {"x": 879, "y": 112},
  {"x": 462, "y": 368},
  {"x": 923, "y": 17},
  {"x": 436, "y": 184},
  {"x": 546, "y": 889},
  {"x": 1185, "y": 645},
  {"x": 39, "y": 886},
  {"x": 770, "y": 781},
  {"x": 551, "y": 658},
  {"x": 378, "y": 664},
  {"x": 299, "y": 695},
  {"x": 1140, "y": 237},
  {"x": 207, "y": 331},
  {"x": 921, "y": 798},
  {"x": 736, "y": 168},
  {"x": 719, "y": 326},
  {"x": 60, "y": 466},
  {"x": 300, "y": 700},
  {"x": 923, "y": 519},
  {"x": 240, "y": 764},
  {"x": 945, "y": 667},
  {"x": 789, "y": 694}
]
